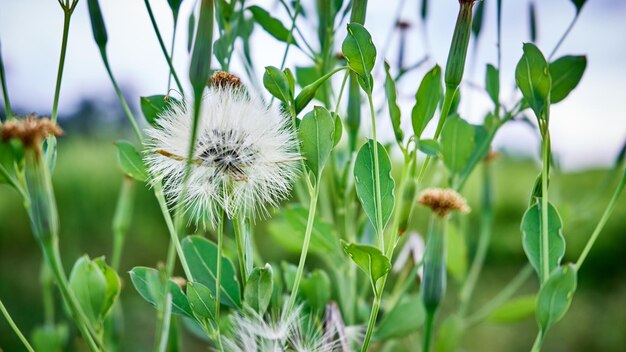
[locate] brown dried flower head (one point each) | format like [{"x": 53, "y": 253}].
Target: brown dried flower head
[
  {"x": 443, "y": 200},
  {"x": 223, "y": 79},
  {"x": 31, "y": 130},
  {"x": 180, "y": 282}
]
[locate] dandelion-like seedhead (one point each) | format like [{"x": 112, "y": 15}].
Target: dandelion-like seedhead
[
  {"x": 443, "y": 200},
  {"x": 30, "y": 130},
  {"x": 243, "y": 160}
]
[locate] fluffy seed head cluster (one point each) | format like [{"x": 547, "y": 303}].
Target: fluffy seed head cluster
[
  {"x": 443, "y": 200},
  {"x": 30, "y": 130},
  {"x": 243, "y": 160}
]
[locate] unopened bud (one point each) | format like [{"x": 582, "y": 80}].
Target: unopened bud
[{"x": 458, "y": 48}]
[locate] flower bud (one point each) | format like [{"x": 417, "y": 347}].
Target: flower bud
[
  {"x": 434, "y": 276},
  {"x": 458, "y": 48}
]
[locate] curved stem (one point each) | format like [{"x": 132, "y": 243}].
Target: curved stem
[
  {"x": 605, "y": 217},
  {"x": 562, "y": 39},
  {"x": 305, "y": 249},
  {"x": 162, "y": 45},
  {"x": 372, "y": 321},
  {"x": 290, "y": 36},
  {"x": 13, "y": 326}
]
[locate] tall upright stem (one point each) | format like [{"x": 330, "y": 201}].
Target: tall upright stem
[
  {"x": 218, "y": 276},
  {"x": 16, "y": 329},
  {"x": 545, "y": 254}
]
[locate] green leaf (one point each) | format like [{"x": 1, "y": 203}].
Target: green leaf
[
  {"x": 292, "y": 81},
  {"x": 405, "y": 318},
  {"x": 271, "y": 25},
  {"x": 492, "y": 83},
  {"x": 310, "y": 91},
  {"x": 50, "y": 338},
  {"x": 175, "y": 7},
  {"x": 200, "y": 66},
  {"x": 479, "y": 151},
  {"x": 259, "y": 287},
  {"x": 477, "y": 22},
  {"x": 517, "y": 309},
  {"x": 113, "y": 287},
  {"x": 148, "y": 283},
  {"x": 130, "y": 161},
  {"x": 394, "y": 109},
  {"x": 365, "y": 183},
  {"x": 566, "y": 73},
  {"x": 93, "y": 290},
  {"x": 338, "y": 129},
  {"x": 532, "y": 19},
  {"x": 154, "y": 105},
  {"x": 533, "y": 78},
  {"x": 323, "y": 235},
  {"x": 370, "y": 259},
  {"x": 360, "y": 53},
  {"x": 457, "y": 142},
  {"x": 97, "y": 23},
  {"x": 579, "y": 5},
  {"x": 201, "y": 301},
  {"x": 456, "y": 258},
  {"x": 429, "y": 147},
  {"x": 532, "y": 241},
  {"x": 316, "y": 132},
  {"x": 276, "y": 82},
  {"x": 316, "y": 289},
  {"x": 201, "y": 255},
  {"x": 555, "y": 296},
  {"x": 427, "y": 99}
]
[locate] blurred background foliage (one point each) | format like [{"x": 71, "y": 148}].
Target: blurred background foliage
[{"x": 87, "y": 180}]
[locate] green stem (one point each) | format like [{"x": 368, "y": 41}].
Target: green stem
[
  {"x": 121, "y": 220},
  {"x": 372, "y": 320},
  {"x": 4, "y": 173},
  {"x": 290, "y": 36},
  {"x": 169, "y": 77},
  {"x": 545, "y": 255},
  {"x": 305, "y": 248},
  {"x": 242, "y": 253},
  {"x": 162, "y": 45},
  {"x": 483, "y": 241},
  {"x": 507, "y": 292},
  {"x": 47, "y": 288},
  {"x": 379, "y": 211},
  {"x": 57, "y": 89},
  {"x": 538, "y": 343},
  {"x": 428, "y": 331},
  {"x": 562, "y": 39},
  {"x": 5, "y": 91},
  {"x": 165, "y": 326},
  {"x": 605, "y": 217},
  {"x": 218, "y": 276},
  {"x": 17, "y": 331},
  {"x": 120, "y": 96}
]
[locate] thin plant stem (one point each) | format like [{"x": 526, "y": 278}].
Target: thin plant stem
[
  {"x": 538, "y": 343},
  {"x": 57, "y": 90},
  {"x": 605, "y": 217},
  {"x": 545, "y": 255},
  {"x": 47, "y": 292},
  {"x": 562, "y": 39},
  {"x": 305, "y": 248},
  {"x": 165, "y": 327},
  {"x": 5, "y": 90},
  {"x": 290, "y": 36},
  {"x": 218, "y": 276},
  {"x": 372, "y": 320},
  {"x": 507, "y": 292},
  {"x": 428, "y": 331},
  {"x": 162, "y": 45},
  {"x": 174, "y": 234},
  {"x": 169, "y": 77},
  {"x": 240, "y": 238},
  {"x": 16, "y": 329},
  {"x": 121, "y": 220}
]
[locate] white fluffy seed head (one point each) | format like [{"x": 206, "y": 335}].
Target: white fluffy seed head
[{"x": 243, "y": 160}]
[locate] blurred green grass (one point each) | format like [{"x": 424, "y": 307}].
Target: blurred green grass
[{"x": 87, "y": 181}]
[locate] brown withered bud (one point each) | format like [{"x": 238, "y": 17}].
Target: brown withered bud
[
  {"x": 403, "y": 25},
  {"x": 491, "y": 155},
  {"x": 340, "y": 56},
  {"x": 181, "y": 282},
  {"x": 443, "y": 200},
  {"x": 223, "y": 79},
  {"x": 30, "y": 130}
]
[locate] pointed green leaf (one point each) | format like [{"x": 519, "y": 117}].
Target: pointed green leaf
[
  {"x": 457, "y": 142},
  {"x": 97, "y": 23},
  {"x": 579, "y": 4},
  {"x": 360, "y": 53},
  {"x": 338, "y": 129},
  {"x": 533, "y": 78},
  {"x": 201, "y": 301},
  {"x": 394, "y": 109},
  {"x": 370, "y": 259},
  {"x": 310, "y": 90},
  {"x": 152, "y": 106},
  {"x": 316, "y": 132},
  {"x": 113, "y": 285},
  {"x": 175, "y": 7},
  {"x": 201, "y": 255},
  {"x": 566, "y": 73},
  {"x": 147, "y": 282},
  {"x": 200, "y": 66},
  {"x": 271, "y": 25},
  {"x": 259, "y": 288},
  {"x": 427, "y": 99},
  {"x": 532, "y": 241},
  {"x": 89, "y": 285},
  {"x": 492, "y": 83},
  {"x": 316, "y": 289},
  {"x": 130, "y": 161},
  {"x": 277, "y": 84},
  {"x": 555, "y": 296},
  {"x": 532, "y": 19},
  {"x": 365, "y": 182},
  {"x": 429, "y": 147}
]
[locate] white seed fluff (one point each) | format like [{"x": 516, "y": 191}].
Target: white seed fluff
[{"x": 243, "y": 160}]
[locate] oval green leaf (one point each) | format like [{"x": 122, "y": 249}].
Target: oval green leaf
[
  {"x": 276, "y": 82},
  {"x": 392, "y": 104},
  {"x": 130, "y": 161},
  {"x": 147, "y": 282},
  {"x": 566, "y": 73},
  {"x": 316, "y": 132},
  {"x": 555, "y": 296},
  {"x": 533, "y": 78},
  {"x": 360, "y": 53},
  {"x": 457, "y": 143},
  {"x": 201, "y": 301},
  {"x": 370, "y": 259},
  {"x": 259, "y": 288},
  {"x": 427, "y": 99}
]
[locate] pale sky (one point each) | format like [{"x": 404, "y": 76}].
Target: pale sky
[{"x": 588, "y": 128}]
